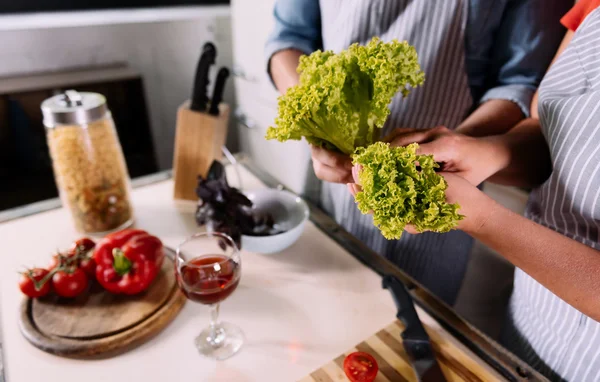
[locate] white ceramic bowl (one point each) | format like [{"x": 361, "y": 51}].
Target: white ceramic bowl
[{"x": 290, "y": 213}]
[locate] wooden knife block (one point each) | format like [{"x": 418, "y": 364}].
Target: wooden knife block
[{"x": 198, "y": 140}]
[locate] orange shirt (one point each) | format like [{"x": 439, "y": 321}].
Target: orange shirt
[{"x": 577, "y": 14}]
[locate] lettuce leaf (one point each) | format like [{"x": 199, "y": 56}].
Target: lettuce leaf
[
  {"x": 341, "y": 103},
  {"x": 398, "y": 193},
  {"x": 342, "y": 100}
]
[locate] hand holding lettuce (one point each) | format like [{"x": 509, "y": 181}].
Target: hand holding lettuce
[
  {"x": 398, "y": 193},
  {"x": 342, "y": 99},
  {"x": 341, "y": 103}
]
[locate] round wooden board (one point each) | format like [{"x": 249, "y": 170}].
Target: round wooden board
[{"x": 100, "y": 324}]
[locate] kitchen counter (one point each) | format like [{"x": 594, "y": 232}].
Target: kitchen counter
[{"x": 298, "y": 309}]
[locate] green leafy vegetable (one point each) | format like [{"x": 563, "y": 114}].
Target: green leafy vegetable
[
  {"x": 341, "y": 102},
  {"x": 342, "y": 99},
  {"x": 398, "y": 193}
]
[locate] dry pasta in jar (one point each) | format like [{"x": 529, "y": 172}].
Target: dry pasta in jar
[{"x": 90, "y": 169}]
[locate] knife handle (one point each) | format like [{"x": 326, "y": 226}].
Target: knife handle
[
  {"x": 406, "y": 309},
  {"x": 419, "y": 349},
  {"x": 218, "y": 91},
  {"x": 200, "y": 95}
]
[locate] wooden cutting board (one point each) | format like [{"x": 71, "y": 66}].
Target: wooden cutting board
[
  {"x": 101, "y": 324},
  {"x": 456, "y": 361}
]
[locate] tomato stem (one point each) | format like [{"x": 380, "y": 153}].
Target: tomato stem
[{"x": 38, "y": 285}]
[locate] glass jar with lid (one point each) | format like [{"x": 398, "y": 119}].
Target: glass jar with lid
[{"x": 89, "y": 167}]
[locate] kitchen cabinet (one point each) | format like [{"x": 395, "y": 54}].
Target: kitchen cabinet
[{"x": 256, "y": 98}]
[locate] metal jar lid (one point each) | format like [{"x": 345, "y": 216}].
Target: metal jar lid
[{"x": 73, "y": 108}]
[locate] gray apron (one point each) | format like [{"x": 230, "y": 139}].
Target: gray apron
[
  {"x": 542, "y": 329},
  {"x": 436, "y": 29}
]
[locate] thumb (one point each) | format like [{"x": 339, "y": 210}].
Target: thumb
[
  {"x": 354, "y": 188},
  {"x": 411, "y": 229},
  {"x": 398, "y": 131},
  {"x": 355, "y": 170},
  {"x": 408, "y": 138},
  {"x": 437, "y": 148}
]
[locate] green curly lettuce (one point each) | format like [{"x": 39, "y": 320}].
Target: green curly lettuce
[
  {"x": 398, "y": 193},
  {"x": 342, "y": 100}
]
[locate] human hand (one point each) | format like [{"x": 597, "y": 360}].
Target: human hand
[
  {"x": 474, "y": 159},
  {"x": 354, "y": 186},
  {"x": 474, "y": 204},
  {"x": 403, "y": 136},
  {"x": 331, "y": 166}
]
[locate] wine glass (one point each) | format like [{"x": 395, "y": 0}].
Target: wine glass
[{"x": 208, "y": 270}]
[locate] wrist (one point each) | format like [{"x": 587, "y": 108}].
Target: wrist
[
  {"x": 283, "y": 68},
  {"x": 497, "y": 153},
  {"x": 487, "y": 212}
]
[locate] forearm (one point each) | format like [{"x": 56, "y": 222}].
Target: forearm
[
  {"x": 524, "y": 158},
  {"x": 283, "y": 67},
  {"x": 569, "y": 269},
  {"x": 493, "y": 117}
]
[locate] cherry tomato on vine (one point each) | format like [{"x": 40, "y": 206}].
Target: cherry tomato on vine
[
  {"x": 70, "y": 282},
  {"x": 81, "y": 246},
  {"x": 28, "y": 282},
  {"x": 89, "y": 267}
]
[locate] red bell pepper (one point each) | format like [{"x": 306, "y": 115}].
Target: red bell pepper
[{"x": 128, "y": 261}]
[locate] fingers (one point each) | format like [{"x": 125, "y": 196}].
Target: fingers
[
  {"x": 398, "y": 132},
  {"x": 404, "y": 138},
  {"x": 331, "y": 166},
  {"x": 446, "y": 147},
  {"x": 411, "y": 229},
  {"x": 332, "y": 174},
  {"x": 354, "y": 188},
  {"x": 407, "y": 139},
  {"x": 438, "y": 148},
  {"x": 330, "y": 158},
  {"x": 355, "y": 170}
]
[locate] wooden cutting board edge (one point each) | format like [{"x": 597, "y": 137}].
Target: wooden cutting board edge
[
  {"x": 108, "y": 346},
  {"x": 104, "y": 347},
  {"x": 460, "y": 366},
  {"x": 57, "y": 320}
]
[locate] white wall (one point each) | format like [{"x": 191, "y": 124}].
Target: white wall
[
  {"x": 289, "y": 162},
  {"x": 165, "y": 53}
]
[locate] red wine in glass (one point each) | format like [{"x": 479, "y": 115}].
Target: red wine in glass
[
  {"x": 209, "y": 279},
  {"x": 208, "y": 268}
]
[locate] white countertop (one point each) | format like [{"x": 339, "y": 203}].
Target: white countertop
[{"x": 298, "y": 309}]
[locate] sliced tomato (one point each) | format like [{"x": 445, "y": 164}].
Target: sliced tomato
[{"x": 360, "y": 367}]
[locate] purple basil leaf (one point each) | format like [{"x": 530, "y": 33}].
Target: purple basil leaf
[
  {"x": 216, "y": 171},
  {"x": 225, "y": 209},
  {"x": 240, "y": 198}
]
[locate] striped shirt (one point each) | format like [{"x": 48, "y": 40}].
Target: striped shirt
[
  {"x": 438, "y": 261},
  {"x": 544, "y": 330},
  {"x": 470, "y": 50}
]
